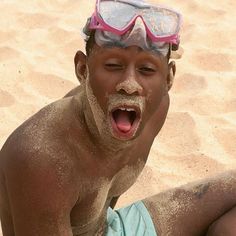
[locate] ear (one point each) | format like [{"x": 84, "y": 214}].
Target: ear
[
  {"x": 80, "y": 61},
  {"x": 171, "y": 74}
]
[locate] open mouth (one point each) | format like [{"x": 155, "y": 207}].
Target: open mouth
[{"x": 125, "y": 121}]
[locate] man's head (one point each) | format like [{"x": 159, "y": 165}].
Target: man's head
[{"x": 126, "y": 78}]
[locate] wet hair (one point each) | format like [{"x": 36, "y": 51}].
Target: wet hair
[{"x": 91, "y": 41}]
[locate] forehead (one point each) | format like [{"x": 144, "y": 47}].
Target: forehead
[{"x": 115, "y": 50}]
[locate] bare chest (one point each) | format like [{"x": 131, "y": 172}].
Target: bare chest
[{"x": 90, "y": 211}]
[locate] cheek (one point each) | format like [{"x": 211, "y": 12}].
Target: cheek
[
  {"x": 156, "y": 92},
  {"x": 102, "y": 86}
]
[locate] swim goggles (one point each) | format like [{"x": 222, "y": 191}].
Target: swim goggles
[
  {"x": 118, "y": 16},
  {"x": 116, "y": 20}
]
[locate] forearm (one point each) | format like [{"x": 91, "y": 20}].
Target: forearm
[{"x": 190, "y": 209}]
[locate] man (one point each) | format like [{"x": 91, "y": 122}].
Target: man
[{"x": 63, "y": 170}]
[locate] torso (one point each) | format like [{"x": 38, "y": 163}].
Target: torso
[{"x": 99, "y": 177}]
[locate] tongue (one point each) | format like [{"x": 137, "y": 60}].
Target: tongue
[{"x": 123, "y": 122}]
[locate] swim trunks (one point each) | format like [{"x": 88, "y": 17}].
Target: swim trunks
[{"x": 133, "y": 220}]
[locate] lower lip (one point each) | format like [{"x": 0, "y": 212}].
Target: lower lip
[{"x": 122, "y": 135}]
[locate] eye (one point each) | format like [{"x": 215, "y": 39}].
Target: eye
[
  {"x": 113, "y": 66},
  {"x": 147, "y": 70}
]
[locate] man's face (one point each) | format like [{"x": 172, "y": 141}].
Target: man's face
[{"x": 128, "y": 85}]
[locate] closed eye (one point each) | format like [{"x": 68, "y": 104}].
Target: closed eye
[
  {"x": 147, "y": 70},
  {"x": 113, "y": 66}
]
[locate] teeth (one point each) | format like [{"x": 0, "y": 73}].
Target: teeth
[{"x": 126, "y": 109}]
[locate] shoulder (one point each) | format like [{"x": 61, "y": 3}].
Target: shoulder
[
  {"x": 75, "y": 91},
  {"x": 36, "y": 162},
  {"x": 46, "y": 145},
  {"x": 41, "y": 138}
]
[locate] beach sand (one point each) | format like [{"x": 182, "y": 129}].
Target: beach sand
[{"x": 38, "y": 40}]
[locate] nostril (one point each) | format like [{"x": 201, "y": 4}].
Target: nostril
[{"x": 122, "y": 91}]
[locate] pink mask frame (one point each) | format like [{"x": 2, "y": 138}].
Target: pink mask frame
[{"x": 98, "y": 23}]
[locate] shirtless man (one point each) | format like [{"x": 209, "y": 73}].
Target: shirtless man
[{"x": 62, "y": 170}]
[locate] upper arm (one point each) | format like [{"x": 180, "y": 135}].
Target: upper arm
[
  {"x": 40, "y": 194},
  {"x": 5, "y": 214}
]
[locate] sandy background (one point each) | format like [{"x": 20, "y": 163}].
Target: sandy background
[{"x": 38, "y": 40}]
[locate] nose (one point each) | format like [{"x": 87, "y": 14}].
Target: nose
[{"x": 130, "y": 85}]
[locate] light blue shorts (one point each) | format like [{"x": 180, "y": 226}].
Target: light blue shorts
[{"x": 133, "y": 220}]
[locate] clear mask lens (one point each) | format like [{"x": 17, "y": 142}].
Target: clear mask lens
[
  {"x": 111, "y": 12},
  {"x": 119, "y": 14},
  {"x": 161, "y": 22}
]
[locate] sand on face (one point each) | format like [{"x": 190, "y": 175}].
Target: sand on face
[{"x": 38, "y": 40}]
